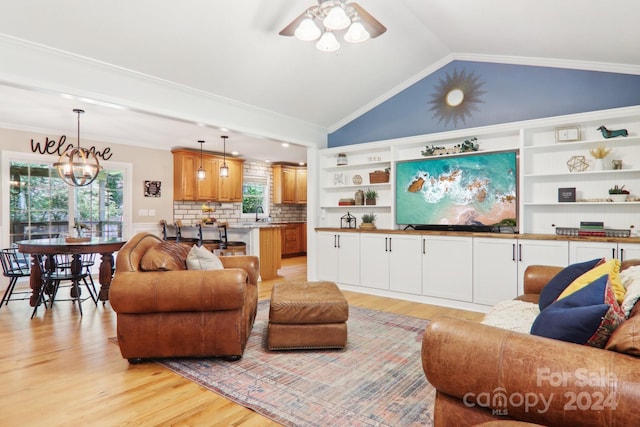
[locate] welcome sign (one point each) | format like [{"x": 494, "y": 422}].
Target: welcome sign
[{"x": 51, "y": 146}]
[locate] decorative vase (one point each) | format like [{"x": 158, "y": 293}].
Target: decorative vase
[
  {"x": 359, "y": 196},
  {"x": 598, "y": 165}
]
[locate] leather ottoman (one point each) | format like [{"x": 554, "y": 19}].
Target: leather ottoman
[{"x": 308, "y": 315}]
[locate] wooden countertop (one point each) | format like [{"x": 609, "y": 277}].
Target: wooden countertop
[{"x": 490, "y": 235}]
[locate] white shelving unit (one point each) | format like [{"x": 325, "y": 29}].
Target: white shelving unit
[
  {"x": 545, "y": 170},
  {"x": 337, "y": 182}
]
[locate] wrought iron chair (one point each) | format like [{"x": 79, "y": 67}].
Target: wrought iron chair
[
  {"x": 14, "y": 266},
  {"x": 61, "y": 268}
]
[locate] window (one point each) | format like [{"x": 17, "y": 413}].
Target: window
[
  {"x": 255, "y": 195},
  {"x": 41, "y": 205}
]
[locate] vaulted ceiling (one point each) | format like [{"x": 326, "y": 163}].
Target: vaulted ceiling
[{"x": 232, "y": 50}]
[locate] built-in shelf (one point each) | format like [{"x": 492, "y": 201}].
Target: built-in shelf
[
  {"x": 577, "y": 175},
  {"x": 372, "y": 165},
  {"x": 356, "y": 187},
  {"x": 582, "y": 204},
  {"x": 357, "y": 207},
  {"x": 582, "y": 145}
]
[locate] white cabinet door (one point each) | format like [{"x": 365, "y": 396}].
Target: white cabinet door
[
  {"x": 495, "y": 270},
  {"x": 540, "y": 252},
  {"x": 405, "y": 274},
  {"x": 348, "y": 257},
  {"x": 628, "y": 251},
  {"x": 327, "y": 256},
  {"x": 338, "y": 257},
  {"x": 374, "y": 261},
  {"x": 585, "y": 251},
  {"x": 447, "y": 268}
]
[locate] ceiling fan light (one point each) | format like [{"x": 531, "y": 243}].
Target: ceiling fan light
[
  {"x": 356, "y": 33},
  {"x": 307, "y": 30},
  {"x": 336, "y": 19},
  {"x": 328, "y": 42}
]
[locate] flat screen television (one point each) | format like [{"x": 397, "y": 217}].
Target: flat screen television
[{"x": 475, "y": 191}]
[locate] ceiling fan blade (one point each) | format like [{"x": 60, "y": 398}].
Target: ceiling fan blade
[
  {"x": 371, "y": 24},
  {"x": 290, "y": 29}
]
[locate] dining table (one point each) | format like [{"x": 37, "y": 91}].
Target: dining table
[{"x": 37, "y": 248}]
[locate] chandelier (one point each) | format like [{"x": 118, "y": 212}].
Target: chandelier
[
  {"x": 330, "y": 17},
  {"x": 78, "y": 166}
]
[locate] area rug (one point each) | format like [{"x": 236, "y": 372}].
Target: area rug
[{"x": 377, "y": 380}]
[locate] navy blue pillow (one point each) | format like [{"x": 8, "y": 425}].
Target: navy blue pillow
[
  {"x": 576, "y": 317},
  {"x": 564, "y": 278}
]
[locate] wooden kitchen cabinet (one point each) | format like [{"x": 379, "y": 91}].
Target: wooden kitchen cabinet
[
  {"x": 294, "y": 239},
  {"x": 289, "y": 185},
  {"x": 270, "y": 252},
  {"x": 213, "y": 188},
  {"x": 230, "y": 188}
]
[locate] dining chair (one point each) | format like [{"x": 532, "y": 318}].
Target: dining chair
[
  {"x": 14, "y": 266},
  {"x": 58, "y": 269}
]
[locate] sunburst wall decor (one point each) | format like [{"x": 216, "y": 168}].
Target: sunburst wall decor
[{"x": 456, "y": 96}]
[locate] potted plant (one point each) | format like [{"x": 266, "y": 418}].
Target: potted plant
[
  {"x": 370, "y": 197},
  {"x": 618, "y": 194},
  {"x": 368, "y": 220}
]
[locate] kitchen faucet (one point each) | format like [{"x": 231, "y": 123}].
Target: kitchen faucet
[{"x": 258, "y": 209}]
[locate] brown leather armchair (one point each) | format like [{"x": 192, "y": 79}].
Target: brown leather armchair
[
  {"x": 482, "y": 373},
  {"x": 183, "y": 313}
]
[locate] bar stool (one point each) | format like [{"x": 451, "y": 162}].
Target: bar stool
[
  {"x": 168, "y": 231},
  {"x": 211, "y": 244},
  {"x": 227, "y": 247},
  {"x": 187, "y": 241}
]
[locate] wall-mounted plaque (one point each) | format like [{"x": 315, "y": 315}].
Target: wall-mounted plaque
[{"x": 152, "y": 188}]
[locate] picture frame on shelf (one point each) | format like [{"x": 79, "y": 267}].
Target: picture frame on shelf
[
  {"x": 338, "y": 179},
  {"x": 568, "y": 134}
]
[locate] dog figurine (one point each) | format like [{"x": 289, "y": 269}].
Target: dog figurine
[{"x": 612, "y": 133}]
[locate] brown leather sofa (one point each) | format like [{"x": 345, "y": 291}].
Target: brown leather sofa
[
  {"x": 482, "y": 373},
  {"x": 181, "y": 313}
]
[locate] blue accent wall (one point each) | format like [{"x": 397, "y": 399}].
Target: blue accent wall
[{"x": 507, "y": 93}]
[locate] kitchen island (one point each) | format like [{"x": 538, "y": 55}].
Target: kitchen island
[{"x": 263, "y": 239}]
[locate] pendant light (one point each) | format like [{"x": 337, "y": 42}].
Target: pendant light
[
  {"x": 201, "y": 174},
  {"x": 78, "y": 166},
  {"x": 224, "y": 169}
]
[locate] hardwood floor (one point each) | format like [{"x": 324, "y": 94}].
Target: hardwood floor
[{"x": 60, "y": 370}]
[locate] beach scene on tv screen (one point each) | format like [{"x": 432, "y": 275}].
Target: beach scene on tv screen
[{"x": 469, "y": 190}]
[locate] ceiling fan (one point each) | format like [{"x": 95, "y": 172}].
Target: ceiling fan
[{"x": 322, "y": 21}]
